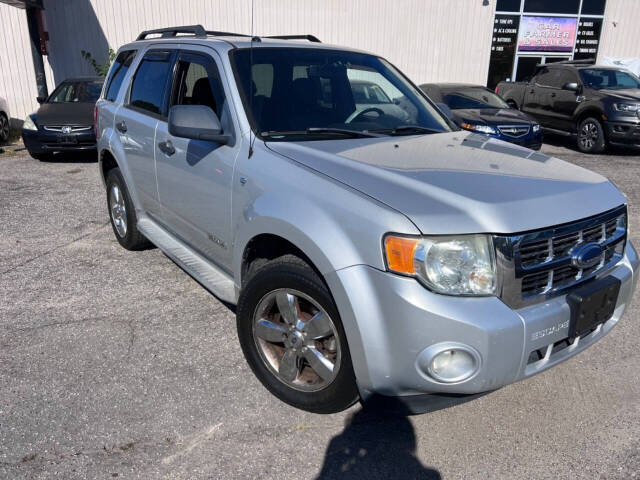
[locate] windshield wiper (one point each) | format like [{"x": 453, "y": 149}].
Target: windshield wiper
[
  {"x": 407, "y": 129},
  {"x": 320, "y": 130}
]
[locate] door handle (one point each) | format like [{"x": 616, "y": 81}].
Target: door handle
[
  {"x": 553, "y": 94},
  {"x": 167, "y": 148},
  {"x": 121, "y": 127}
]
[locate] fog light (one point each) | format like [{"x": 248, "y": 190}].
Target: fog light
[{"x": 449, "y": 362}]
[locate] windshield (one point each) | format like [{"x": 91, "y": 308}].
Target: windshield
[
  {"x": 292, "y": 90},
  {"x": 465, "y": 98},
  {"x": 610, "y": 79},
  {"x": 76, "y": 92}
]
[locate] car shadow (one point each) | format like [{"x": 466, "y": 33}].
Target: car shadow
[
  {"x": 570, "y": 143},
  {"x": 375, "y": 444},
  {"x": 71, "y": 157}
]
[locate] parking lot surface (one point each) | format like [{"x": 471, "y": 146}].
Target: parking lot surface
[{"x": 116, "y": 364}]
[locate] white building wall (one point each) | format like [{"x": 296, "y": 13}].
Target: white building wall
[
  {"x": 621, "y": 30},
  {"x": 430, "y": 40},
  {"x": 17, "y": 78}
]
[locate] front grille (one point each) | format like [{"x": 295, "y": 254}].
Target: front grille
[
  {"x": 539, "y": 264},
  {"x": 58, "y": 128},
  {"x": 514, "y": 131}
]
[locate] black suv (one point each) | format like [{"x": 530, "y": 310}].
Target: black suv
[{"x": 598, "y": 105}]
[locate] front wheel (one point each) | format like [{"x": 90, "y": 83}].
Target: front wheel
[
  {"x": 4, "y": 128},
  {"x": 591, "y": 136},
  {"x": 293, "y": 339}
]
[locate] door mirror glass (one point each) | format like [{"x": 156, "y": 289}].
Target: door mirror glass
[
  {"x": 571, "y": 86},
  {"x": 197, "y": 122}
]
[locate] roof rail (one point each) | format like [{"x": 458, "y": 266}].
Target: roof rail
[
  {"x": 311, "y": 38},
  {"x": 215, "y": 33},
  {"x": 584, "y": 61},
  {"x": 195, "y": 30}
]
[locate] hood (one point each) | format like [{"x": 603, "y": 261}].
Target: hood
[
  {"x": 459, "y": 182},
  {"x": 72, "y": 113},
  {"x": 632, "y": 94},
  {"x": 492, "y": 116}
]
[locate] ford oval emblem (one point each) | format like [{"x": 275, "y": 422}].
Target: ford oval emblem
[{"x": 587, "y": 255}]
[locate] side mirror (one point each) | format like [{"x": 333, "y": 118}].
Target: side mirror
[
  {"x": 571, "y": 86},
  {"x": 197, "y": 122},
  {"x": 444, "y": 108},
  {"x": 41, "y": 100}
]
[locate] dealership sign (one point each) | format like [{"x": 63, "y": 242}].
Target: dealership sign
[{"x": 547, "y": 34}]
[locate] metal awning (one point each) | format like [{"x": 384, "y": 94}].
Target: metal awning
[{"x": 23, "y": 3}]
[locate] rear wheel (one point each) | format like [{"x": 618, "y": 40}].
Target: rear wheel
[
  {"x": 4, "y": 128},
  {"x": 293, "y": 339},
  {"x": 591, "y": 136},
  {"x": 122, "y": 213}
]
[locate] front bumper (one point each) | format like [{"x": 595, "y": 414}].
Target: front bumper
[
  {"x": 43, "y": 141},
  {"x": 532, "y": 140},
  {"x": 623, "y": 132},
  {"x": 390, "y": 320}
]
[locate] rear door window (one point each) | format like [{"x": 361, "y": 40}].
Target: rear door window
[
  {"x": 117, "y": 73},
  {"x": 148, "y": 90}
]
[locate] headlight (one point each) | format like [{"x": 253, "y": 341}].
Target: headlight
[
  {"x": 628, "y": 108},
  {"x": 536, "y": 127},
  {"x": 29, "y": 124},
  {"x": 479, "y": 128},
  {"x": 453, "y": 265}
]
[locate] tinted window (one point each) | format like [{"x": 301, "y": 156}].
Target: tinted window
[
  {"x": 293, "y": 89},
  {"x": 508, "y": 6},
  {"x": 593, "y": 7},
  {"x": 198, "y": 83},
  {"x": 149, "y": 84},
  {"x": 611, "y": 79},
  {"x": 76, "y": 92},
  {"x": 548, "y": 77},
  {"x": 117, "y": 73},
  {"x": 552, "y": 6},
  {"x": 566, "y": 76},
  {"x": 473, "y": 98}
]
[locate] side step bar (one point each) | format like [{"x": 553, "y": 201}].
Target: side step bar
[
  {"x": 211, "y": 277},
  {"x": 558, "y": 132}
]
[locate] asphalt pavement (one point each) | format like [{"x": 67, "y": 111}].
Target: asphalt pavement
[{"x": 116, "y": 364}]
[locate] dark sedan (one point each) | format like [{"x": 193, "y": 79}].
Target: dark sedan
[
  {"x": 480, "y": 110},
  {"x": 64, "y": 121}
]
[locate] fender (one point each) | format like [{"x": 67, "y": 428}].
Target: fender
[{"x": 325, "y": 221}]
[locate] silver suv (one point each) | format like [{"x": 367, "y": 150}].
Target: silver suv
[{"x": 373, "y": 250}]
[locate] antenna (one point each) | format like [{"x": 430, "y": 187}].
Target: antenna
[{"x": 250, "y": 85}]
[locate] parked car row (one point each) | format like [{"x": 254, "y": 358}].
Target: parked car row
[
  {"x": 373, "y": 249},
  {"x": 599, "y": 106}
]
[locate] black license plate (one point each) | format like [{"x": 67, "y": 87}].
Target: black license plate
[
  {"x": 592, "y": 305},
  {"x": 67, "y": 139}
]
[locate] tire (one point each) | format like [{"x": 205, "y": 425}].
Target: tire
[
  {"x": 4, "y": 128},
  {"x": 512, "y": 104},
  {"x": 122, "y": 213},
  {"x": 591, "y": 136},
  {"x": 290, "y": 280}
]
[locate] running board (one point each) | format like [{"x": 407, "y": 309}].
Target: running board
[
  {"x": 209, "y": 276},
  {"x": 558, "y": 132}
]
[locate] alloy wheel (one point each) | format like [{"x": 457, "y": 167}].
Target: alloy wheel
[
  {"x": 118, "y": 210},
  {"x": 297, "y": 340},
  {"x": 588, "y": 136}
]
